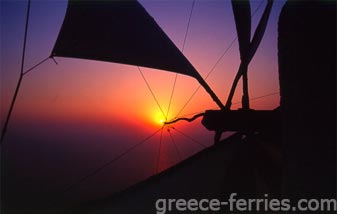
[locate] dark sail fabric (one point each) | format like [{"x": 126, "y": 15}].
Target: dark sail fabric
[
  {"x": 118, "y": 31},
  {"x": 241, "y": 10}
]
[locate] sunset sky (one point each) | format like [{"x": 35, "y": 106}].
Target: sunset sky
[{"x": 72, "y": 117}]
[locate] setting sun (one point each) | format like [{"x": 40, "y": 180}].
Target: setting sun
[
  {"x": 160, "y": 120},
  {"x": 157, "y": 117}
]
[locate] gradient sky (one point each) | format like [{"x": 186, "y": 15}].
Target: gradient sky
[{"x": 72, "y": 117}]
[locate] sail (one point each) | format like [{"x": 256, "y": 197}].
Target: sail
[
  {"x": 118, "y": 31},
  {"x": 241, "y": 10},
  {"x": 121, "y": 32},
  {"x": 242, "y": 15}
]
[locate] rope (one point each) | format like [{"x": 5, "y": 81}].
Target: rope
[
  {"x": 4, "y": 130},
  {"x": 159, "y": 150},
  {"x": 153, "y": 95},
  {"x": 175, "y": 145},
  {"x": 54, "y": 60},
  {"x": 190, "y": 138},
  {"x": 188, "y": 26},
  {"x": 171, "y": 97},
  {"x": 25, "y": 39},
  {"x": 93, "y": 173},
  {"x": 263, "y": 96},
  {"x": 30, "y": 69},
  {"x": 182, "y": 50}
]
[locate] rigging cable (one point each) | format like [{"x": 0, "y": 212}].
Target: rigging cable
[
  {"x": 190, "y": 138},
  {"x": 171, "y": 97},
  {"x": 175, "y": 145},
  {"x": 153, "y": 95},
  {"x": 97, "y": 170},
  {"x": 159, "y": 150},
  {"x": 182, "y": 50},
  {"x": 259, "y": 97},
  {"x": 217, "y": 62},
  {"x": 33, "y": 67},
  {"x": 14, "y": 99},
  {"x": 3, "y": 132},
  {"x": 188, "y": 26},
  {"x": 186, "y": 119}
]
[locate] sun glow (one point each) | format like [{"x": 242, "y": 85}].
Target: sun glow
[{"x": 158, "y": 118}]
